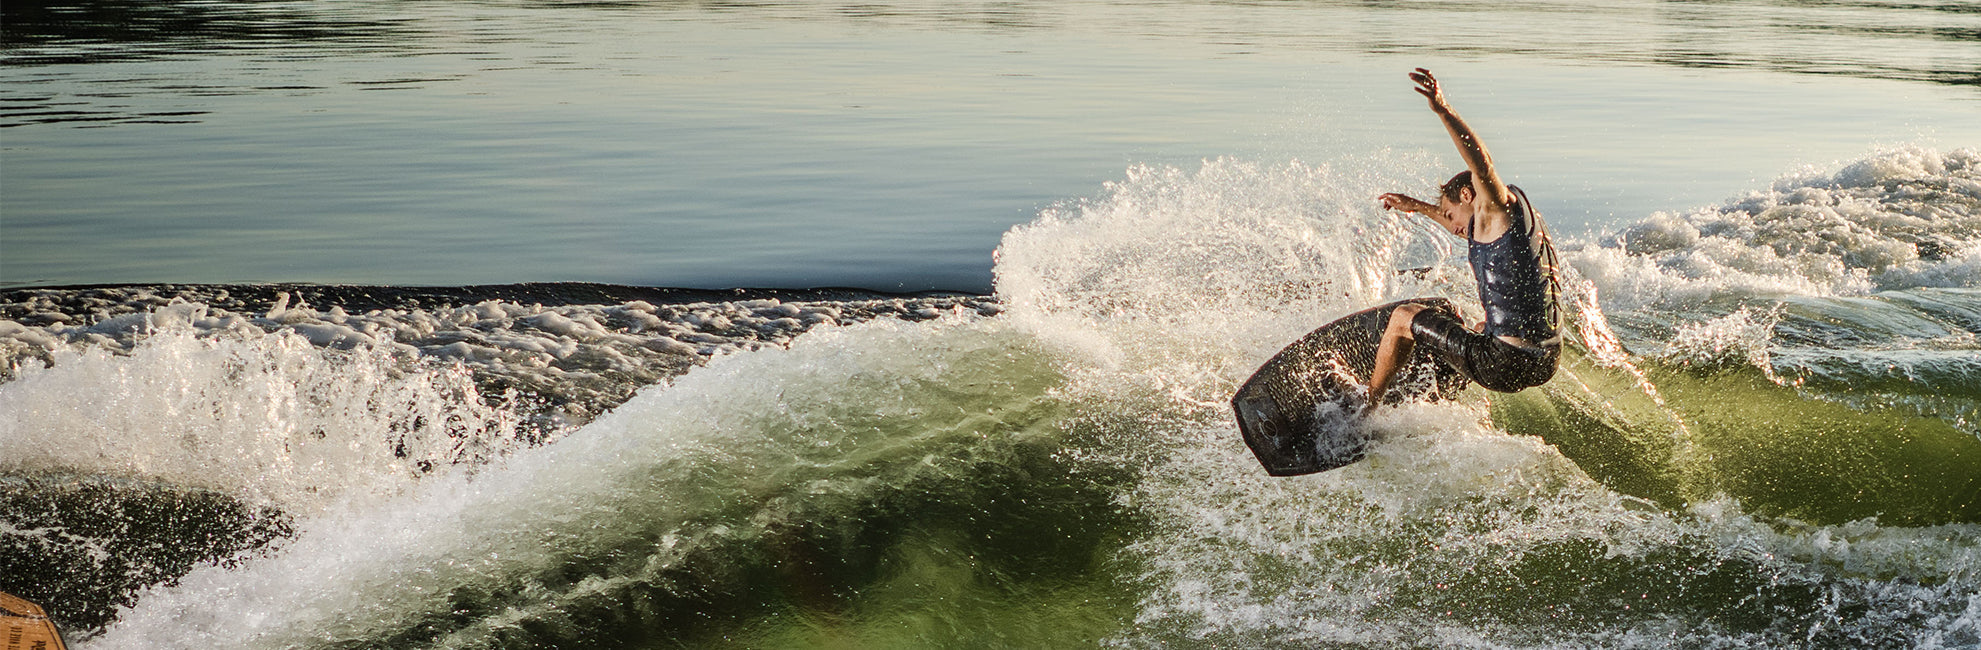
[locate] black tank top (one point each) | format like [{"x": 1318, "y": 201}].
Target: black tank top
[{"x": 1518, "y": 282}]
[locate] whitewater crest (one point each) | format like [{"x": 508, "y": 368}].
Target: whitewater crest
[
  {"x": 270, "y": 419},
  {"x": 572, "y": 359},
  {"x": 1740, "y": 339},
  {"x": 227, "y": 416},
  {"x": 687, "y": 497},
  {"x": 1906, "y": 218},
  {"x": 1177, "y": 283}
]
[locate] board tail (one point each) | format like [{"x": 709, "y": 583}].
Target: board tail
[{"x": 1298, "y": 413}]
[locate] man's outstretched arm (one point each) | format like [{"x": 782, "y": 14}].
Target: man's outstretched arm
[
  {"x": 1394, "y": 201},
  {"x": 1485, "y": 179}
]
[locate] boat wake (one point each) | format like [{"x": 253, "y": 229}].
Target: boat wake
[{"x": 1762, "y": 437}]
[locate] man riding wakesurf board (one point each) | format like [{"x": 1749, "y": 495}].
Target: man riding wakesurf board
[
  {"x": 1519, "y": 342},
  {"x": 1302, "y": 411}
]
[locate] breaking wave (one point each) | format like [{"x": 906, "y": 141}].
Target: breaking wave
[{"x": 1056, "y": 466}]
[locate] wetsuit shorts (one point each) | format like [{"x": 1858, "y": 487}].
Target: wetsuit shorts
[{"x": 1489, "y": 361}]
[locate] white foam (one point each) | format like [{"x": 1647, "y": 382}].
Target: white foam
[
  {"x": 1243, "y": 558},
  {"x": 1900, "y": 219},
  {"x": 1744, "y": 337},
  {"x": 582, "y": 358},
  {"x": 1390, "y": 547},
  {"x": 671, "y": 466},
  {"x": 269, "y": 418},
  {"x": 1182, "y": 282}
]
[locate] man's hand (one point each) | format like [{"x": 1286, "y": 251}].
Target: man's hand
[
  {"x": 1393, "y": 201},
  {"x": 1427, "y": 86}
]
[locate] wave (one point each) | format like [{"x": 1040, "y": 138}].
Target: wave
[
  {"x": 1058, "y": 467},
  {"x": 1867, "y": 279},
  {"x": 687, "y": 500},
  {"x": 1654, "y": 501},
  {"x": 149, "y": 404},
  {"x": 1903, "y": 219}
]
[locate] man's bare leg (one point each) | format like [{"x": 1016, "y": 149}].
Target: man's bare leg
[{"x": 1396, "y": 345}]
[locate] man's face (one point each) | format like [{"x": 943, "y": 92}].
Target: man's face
[{"x": 1458, "y": 216}]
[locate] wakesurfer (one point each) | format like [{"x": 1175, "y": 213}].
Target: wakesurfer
[{"x": 1518, "y": 344}]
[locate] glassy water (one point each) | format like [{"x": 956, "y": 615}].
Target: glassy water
[{"x": 884, "y": 145}]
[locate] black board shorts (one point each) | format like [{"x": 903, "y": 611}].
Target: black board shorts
[{"x": 1489, "y": 361}]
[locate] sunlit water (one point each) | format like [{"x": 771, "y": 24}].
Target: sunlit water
[
  {"x": 884, "y": 145},
  {"x": 1766, "y": 433}
]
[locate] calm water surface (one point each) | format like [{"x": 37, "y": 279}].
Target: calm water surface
[{"x": 886, "y": 145}]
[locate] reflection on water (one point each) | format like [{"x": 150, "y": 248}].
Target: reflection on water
[
  {"x": 1937, "y": 42},
  {"x": 51, "y": 32},
  {"x": 1926, "y": 41},
  {"x": 881, "y": 144},
  {"x": 55, "y": 42}
]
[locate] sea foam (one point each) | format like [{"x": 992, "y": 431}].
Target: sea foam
[{"x": 1905, "y": 218}]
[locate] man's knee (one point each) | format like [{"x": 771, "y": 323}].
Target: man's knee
[{"x": 1400, "y": 320}]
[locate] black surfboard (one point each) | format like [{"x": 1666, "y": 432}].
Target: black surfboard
[{"x": 1298, "y": 413}]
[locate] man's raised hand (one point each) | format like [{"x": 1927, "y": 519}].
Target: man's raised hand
[{"x": 1427, "y": 86}]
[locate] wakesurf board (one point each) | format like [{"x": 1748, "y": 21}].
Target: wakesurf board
[
  {"x": 24, "y": 626},
  {"x": 1301, "y": 411}
]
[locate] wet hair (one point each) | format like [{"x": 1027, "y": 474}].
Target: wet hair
[{"x": 1451, "y": 187}]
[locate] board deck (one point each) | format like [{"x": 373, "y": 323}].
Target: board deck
[
  {"x": 1297, "y": 412},
  {"x": 24, "y": 626}
]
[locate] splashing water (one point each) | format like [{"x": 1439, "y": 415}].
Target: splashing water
[
  {"x": 1741, "y": 338},
  {"x": 1066, "y": 474},
  {"x": 269, "y": 418},
  {"x": 1903, "y": 219}
]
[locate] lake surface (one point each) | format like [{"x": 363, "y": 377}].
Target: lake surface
[{"x": 881, "y": 145}]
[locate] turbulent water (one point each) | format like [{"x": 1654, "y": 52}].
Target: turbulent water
[{"x": 1765, "y": 435}]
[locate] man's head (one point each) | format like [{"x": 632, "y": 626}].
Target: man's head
[{"x": 1455, "y": 199}]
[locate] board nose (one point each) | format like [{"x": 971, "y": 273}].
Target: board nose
[{"x": 25, "y": 626}]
